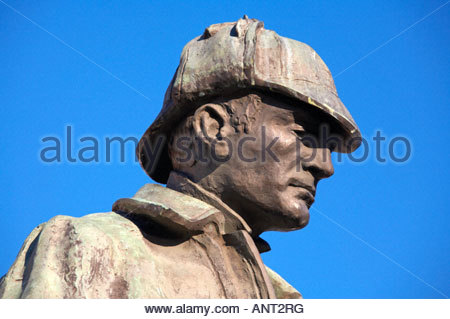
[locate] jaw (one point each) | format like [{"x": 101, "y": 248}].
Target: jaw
[
  {"x": 274, "y": 207},
  {"x": 282, "y": 218},
  {"x": 280, "y": 210}
]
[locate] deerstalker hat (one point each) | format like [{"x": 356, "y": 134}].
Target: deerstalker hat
[{"x": 233, "y": 56}]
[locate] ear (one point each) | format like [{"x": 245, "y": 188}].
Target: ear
[{"x": 211, "y": 126}]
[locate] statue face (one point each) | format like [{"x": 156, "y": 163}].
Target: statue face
[
  {"x": 272, "y": 175},
  {"x": 264, "y": 159}
]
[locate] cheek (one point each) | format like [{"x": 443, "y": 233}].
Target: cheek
[
  {"x": 267, "y": 156},
  {"x": 287, "y": 151},
  {"x": 285, "y": 145}
]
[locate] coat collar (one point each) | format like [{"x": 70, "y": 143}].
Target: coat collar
[
  {"x": 182, "y": 184},
  {"x": 183, "y": 209}
]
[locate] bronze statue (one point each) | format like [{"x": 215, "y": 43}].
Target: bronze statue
[{"x": 245, "y": 134}]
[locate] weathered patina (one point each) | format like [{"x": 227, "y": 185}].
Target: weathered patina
[
  {"x": 243, "y": 55},
  {"x": 158, "y": 244},
  {"x": 233, "y": 144}
]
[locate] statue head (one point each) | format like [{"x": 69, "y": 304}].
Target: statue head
[{"x": 253, "y": 118}]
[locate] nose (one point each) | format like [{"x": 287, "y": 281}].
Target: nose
[{"x": 319, "y": 163}]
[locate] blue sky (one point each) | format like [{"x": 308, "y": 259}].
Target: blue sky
[{"x": 377, "y": 230}]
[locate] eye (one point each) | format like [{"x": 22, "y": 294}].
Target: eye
[
  {"x": 298, "y": 130},
  {"x": 309, "y": 140},
  {"x": 303, "y": 137},
  {"x": 300, "y": 133}
]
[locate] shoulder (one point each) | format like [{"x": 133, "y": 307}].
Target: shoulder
[
  {"x": 66, "y": 255},
  {"x": 110, "y": 224},
  {"x": 283, "y": 290},
  {"x": 89, "y": 231}
]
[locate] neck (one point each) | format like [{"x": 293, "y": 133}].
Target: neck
[{"x": 181, "y": 183}]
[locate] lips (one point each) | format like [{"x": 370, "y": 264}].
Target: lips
[
  {"x": 308, "y": 192},
  {"x": 309, "y": 200},
  {"x": 310, "y": 189}
]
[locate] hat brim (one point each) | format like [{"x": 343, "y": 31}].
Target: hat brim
[{"x": 152, "y": 150}]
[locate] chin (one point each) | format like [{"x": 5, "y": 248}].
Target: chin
[
  {"x": 305, "y": 221},
  {"x": 299, "y": 213},
  {"x": 301, "y": 221},
  {"x": 293, "y": 218}
]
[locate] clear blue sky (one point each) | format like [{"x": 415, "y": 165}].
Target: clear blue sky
[{"x": 381, "y": 230}]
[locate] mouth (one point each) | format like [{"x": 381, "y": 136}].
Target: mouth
[{"x": 308, "y": 192}]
